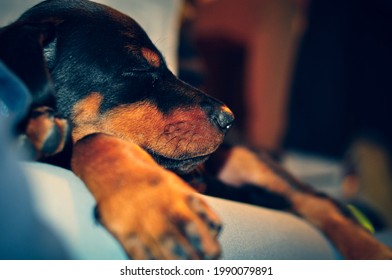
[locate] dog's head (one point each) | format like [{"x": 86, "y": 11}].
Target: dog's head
[{"x": 109, "y": 77}]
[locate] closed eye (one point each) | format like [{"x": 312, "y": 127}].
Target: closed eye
[{"x": 136, "y": 71}]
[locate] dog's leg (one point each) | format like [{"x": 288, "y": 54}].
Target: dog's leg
[
  {"x": 151, "y": 211},
  {"x": 243, "y": 167},
  {"x": 42, "y": 131},
  {"x": 46, "y": 132}
]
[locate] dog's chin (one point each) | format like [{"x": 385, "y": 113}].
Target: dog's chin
[{"x": 180, "y": 166}]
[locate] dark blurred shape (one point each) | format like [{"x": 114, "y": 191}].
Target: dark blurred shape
[
  {"x": 342, "y": 87},
  {"x": 313, "y": 77}
]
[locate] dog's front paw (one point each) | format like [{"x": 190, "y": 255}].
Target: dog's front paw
[
  {"x": 151, "y": 211},
  {"x": 161, "y": 223},
  {"x": 46, "y": 132}
]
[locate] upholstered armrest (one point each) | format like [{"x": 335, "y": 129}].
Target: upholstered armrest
[{"x": 64, "y": 203}]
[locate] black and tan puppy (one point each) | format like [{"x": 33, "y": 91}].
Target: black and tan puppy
[
  {"x": 94, "y": 72},
  {"x": 96, "y": 68}
]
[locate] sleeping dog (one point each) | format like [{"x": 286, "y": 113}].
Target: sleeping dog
[{"x": 105, "y": 104}]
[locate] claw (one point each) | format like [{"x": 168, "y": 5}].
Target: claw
[
  {"x": 206, "y": 215},
  {"x": 177, "y": 250},
  {"x": 193, "y": 237},
  {"x": 136, "y": 249}
]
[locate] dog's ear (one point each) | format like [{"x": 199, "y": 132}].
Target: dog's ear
[{"x": 22, "y": 49}]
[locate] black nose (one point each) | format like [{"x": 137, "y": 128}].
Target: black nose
[{"x": 223, "y": 117}]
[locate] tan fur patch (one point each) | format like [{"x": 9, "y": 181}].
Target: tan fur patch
[
  {"x": 85, "y": 116},
  {"x": 40, "y": 128},
  {"x": 183, "y": 133},
  {"x": 151, "y": 57}
]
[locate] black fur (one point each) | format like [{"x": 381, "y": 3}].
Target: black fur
[{"x": 97, "y": 49}]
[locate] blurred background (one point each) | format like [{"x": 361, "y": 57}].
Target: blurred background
[{"x": 308, "y": 80}]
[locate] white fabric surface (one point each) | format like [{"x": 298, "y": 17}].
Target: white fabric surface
[{"x": 249, "y": 232}]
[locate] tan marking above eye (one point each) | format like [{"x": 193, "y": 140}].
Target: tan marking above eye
[{"x": 151, "y": 57}]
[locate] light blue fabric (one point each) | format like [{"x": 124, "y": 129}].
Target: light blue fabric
[
  {"x": 23, "y": 235},
  {"x": 14, "y": 96},
  {"x": 4, "y": 112}
]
